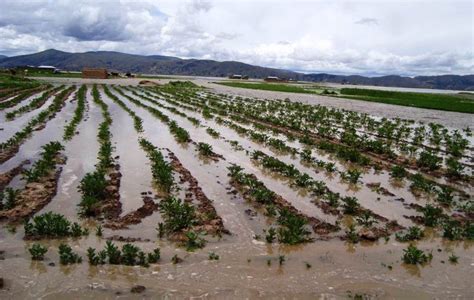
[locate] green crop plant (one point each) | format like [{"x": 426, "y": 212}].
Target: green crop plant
[
  {"x": 37, "y": 251},
  {"x": 271, "y": 235},
  {"x": 366, "y": 219},
  {"x": 431, "y": 215},
  {"x": 93, "y": 189},
  {"x": 52, "y": 225},
  {"x": 292, "y": 228},
  {"x": 213, "y": 256},
  {"x": 161, "y": 170},
  {"x": 351, "y": 234},
  {"x": 45, "y": 164},
  {"x": 398, "y": 172},
  {"x": 412, "y": 255},
  {"x": 428, "y": 161},
  {"x": 413, "y": 233},
  {"x": 212, "y": 132},
  {"x": 205, "y": 149},
  {"x": 67, "y": 256},
  {"x": 178, "y": 215},
  {"x": 8, "y": 198},
  {"x": 194, "y": 241},
  {"x": 350, "y": 205}
]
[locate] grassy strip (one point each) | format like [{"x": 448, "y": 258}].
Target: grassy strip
[
  {"x": 34, "y": 104},
  {"x": 20, "y": 136},
  {"x": 10, "y": 81},
  {"x": 268, "y": 87},
  {"x": 70, "y": 129},
  {"x": 455, "y": 103}
]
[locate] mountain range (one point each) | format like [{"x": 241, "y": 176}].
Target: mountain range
[{"x": 168, "y": 65}]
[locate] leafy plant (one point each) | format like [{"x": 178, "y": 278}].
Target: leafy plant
[
  {"x": 67, "y": 256},
  {"x": 213, "y": 256},
  {"x": 52, "y": 225},
  {"x": 411, "y": 234},
  {"x": 205, "y": 149},
  {"x": 412, "y": 255},
  {"x": 398, "y": 172},
  {"x": 350, "y": 205},
  {"x": 194, "y": 241},
  {"x": 292, "y": 230},
  {"x": 271, "y": 235},
  {"x": 37, "y": 251},
  {"x": 366, "y": 219},
  {"x": 178, "y": 215}
]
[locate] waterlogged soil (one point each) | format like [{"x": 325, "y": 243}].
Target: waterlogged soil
[{"x": 248, "y": 267}]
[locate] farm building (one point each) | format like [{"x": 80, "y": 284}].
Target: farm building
[
  {"x": 94, "y": 73},
  {"x": 238, "y": 76},
  {"x": 39, "y": 69},
  {"x": 275, "y": 79}
]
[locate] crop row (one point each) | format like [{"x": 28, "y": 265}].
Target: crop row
[
  {"x": 70, "y": 128},
  {"x": 34, "y": 104}
]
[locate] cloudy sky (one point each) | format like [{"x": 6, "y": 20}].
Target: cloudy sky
[{"x": 407, "y": 37}]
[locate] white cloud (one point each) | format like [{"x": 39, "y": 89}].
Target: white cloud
[{"x": 393, "y": 37}]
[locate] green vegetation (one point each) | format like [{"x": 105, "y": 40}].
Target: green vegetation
[
  {"x": 161, "y": 170},
  {"x": 8, "y": 198},
  {"x": 33, "y": 104},
  {"x": 411, "y": 234},
  {"x": 278, "y": 87},
  {"x": 37, "y": 251},
  {"x": 46, "y": 163},
  {"x": 205, "y": 149},
  {"x": 293, "y": 228},
  {"x": 67, "y": 256},
  {"x": 456, "y": 103},
  {"x": 19, "y": 137},
  {"x": 92, "y": 188},
  {"x": 52, "y": 225},
  {"x": 412, "y": 255},
  {"x": 177, "y": 215},
  {"x": 130, "y": 255},
  {"x": 70, "y": 129}
]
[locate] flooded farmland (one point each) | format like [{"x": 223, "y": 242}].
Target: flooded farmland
[{"x": 244, "y": 196}]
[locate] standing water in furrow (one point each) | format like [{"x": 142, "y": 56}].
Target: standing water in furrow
[
  {"x": 369, "y": 199},
  {"x": 81, "y": 153},
  {"x": 136, "y": 175},
  {"x": 53, "y": 130},
  {"x": 298, "y": 200},
  {"x": 234, "y": 219},
  {"x": 9, "y": 127}
]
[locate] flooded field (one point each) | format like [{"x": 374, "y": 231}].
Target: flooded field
[{"x": 194, "y": 190}]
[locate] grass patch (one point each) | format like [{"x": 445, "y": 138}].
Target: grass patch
[
  {"x": 269, "y": 87},
  {"x": 457, "y": 103}
]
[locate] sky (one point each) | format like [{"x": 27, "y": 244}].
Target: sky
[{"x": 378, "y": 37}]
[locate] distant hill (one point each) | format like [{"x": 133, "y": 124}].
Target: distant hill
[
  {"x": 2, "y": 57},
  {"x": 159, "y": 64}
]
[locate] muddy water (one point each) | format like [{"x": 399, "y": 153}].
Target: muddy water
[
  {"x": 9, "y": 128},
  {"x": 368, "y": 199},
  {"x": 300, "y": 201},
  {"x": 136, "y": 175},
  {"x": 81, "y": 153},
  {"x": 213, "y": 183},
  {"x": 53, "y": 131},
  {"x": 243, "y": 270}
]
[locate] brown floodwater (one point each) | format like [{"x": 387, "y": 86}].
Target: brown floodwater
[{"x": 248, "y": 267}]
